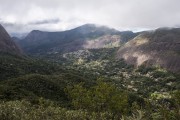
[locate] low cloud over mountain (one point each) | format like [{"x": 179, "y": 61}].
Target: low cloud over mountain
[{"x": 68, "y": 14}]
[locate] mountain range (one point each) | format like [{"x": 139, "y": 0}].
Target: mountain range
[
  {"x": 150, "y": 48},
  {"x": 83, "y": 37}
]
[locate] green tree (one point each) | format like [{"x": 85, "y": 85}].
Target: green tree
[{"x": 100, "y": 98}]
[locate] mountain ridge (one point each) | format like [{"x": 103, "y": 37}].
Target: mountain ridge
[{"x": 72, "y": 40}]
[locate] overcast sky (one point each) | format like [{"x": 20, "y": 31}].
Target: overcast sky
[{"x": 58, "y": 15}]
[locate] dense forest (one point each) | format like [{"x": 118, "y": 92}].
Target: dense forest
[{"x": 86, "y": 85}]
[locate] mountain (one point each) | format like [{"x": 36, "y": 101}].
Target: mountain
[
  {"x": 158, "y": 47},
  {"x": 7, "y": 44},
  {"x": 83, "y": 37}
]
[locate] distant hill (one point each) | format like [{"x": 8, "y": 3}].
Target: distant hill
[
  {"x": 158, "y": 47},
  {"x": 83, "y": 37},
  {"x": 7, "y": 44}
]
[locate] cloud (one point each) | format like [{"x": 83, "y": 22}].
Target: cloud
[
  {"x": 48, "y": 21},
  {"x": 57, "y": 15}
]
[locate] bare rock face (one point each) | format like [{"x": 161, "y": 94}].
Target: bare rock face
[
  {"x": 159, "y": 47},
  {"x": 7, "y": 44}
]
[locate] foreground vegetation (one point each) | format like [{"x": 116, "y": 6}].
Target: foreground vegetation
[{"x": 93, "y": 103}]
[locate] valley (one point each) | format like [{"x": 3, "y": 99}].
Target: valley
[{"x": 90, "y": 72}]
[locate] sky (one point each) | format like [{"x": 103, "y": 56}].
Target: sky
[{"x": 22, "y": 16}]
